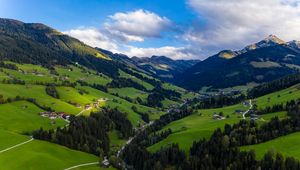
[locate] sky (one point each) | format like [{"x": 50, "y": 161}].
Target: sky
[{"x": 179, "y": 29}]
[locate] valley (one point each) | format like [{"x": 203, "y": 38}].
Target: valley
[{"x": 66, "y": 105}]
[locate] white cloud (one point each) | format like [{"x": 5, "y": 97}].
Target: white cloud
[
  {"x": 93, "y": 37},
  {"x": 236, "y": 23},
  {"x": 137, "y": 25},
  {"x": 169, "y": 51}
]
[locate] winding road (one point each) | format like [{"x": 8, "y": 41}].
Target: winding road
[
  {"x": 244, "y": 114},
  {"x": 80, "y": 165},
  {"x": 130, "y": 139}
]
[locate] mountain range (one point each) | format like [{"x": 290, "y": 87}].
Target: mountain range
[{"x": 264, "y": 61}]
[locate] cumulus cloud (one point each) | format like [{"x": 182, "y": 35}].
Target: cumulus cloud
[
  {"x": 93, "y": 37},
  {"x": 236, "y": 23},
  {"x": 169, "y": 51},
  {"x": 134, "y": 26},
  {"x": 137, "y": 25}
]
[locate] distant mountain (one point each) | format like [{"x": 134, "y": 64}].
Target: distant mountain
[
  {"x": 158, "y": 66},
  {"x": 264, "y": 61},
  {"x": 164, "y": 67}
]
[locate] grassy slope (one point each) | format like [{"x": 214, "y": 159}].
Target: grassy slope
[
  {"x": 287, "y": 145},
  {"x": 129, "y": 92},
  {"x": 30, "y": 77},
  {"x": 195, "y": 127},
  {"x": 279, "y": 97},
  {"x": 8, "y": 139},
  {"x": 86, "y": 75},
  {"x": 122, "y": 104},
  {"x": 143, "y": 83},
  {"x": 37, "y": 92},
  {"x": 43, "y": 155},
  {"x": 23, "y": 116}
]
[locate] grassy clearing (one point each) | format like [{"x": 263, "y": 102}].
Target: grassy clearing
[
  {"x": 287, "y": 145},
  {"x": 30, "y": 77},
  {"x": 129, "y": 92},
  {"x": 8, "y": 139},
  {"x": 167, "y": 103},
  {"x": 43, "y": 155},
  {"x": 281, "y": 96},
  {"x": 37, "y": 92},
  {"x": 133, "y": 78},
  {"x": 23, "y": 116},
  {"x": 72, "y": 74}
]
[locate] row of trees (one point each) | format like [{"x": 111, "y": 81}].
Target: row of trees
[
  {"x": 273, "y": 86},
  {"x": 217, "y": 101}
]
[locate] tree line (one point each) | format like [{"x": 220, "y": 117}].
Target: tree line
[{"x": 274, "y": 85}]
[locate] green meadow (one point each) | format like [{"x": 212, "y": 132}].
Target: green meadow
[
  {"x": 43, "y": 155},
  {"x": 130, "y": 92},
  {"x": 72, "y": 74},
  {"x": 281, "y": 96},
  {"x": 37, "y": 92},
  {"x": 287, "y": 145},
  {"x": 22, "y": 116},
  {"x": 133, "y": 78}
]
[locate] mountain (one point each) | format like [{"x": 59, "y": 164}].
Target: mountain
[
  {"x": 163, "y": 67},
  {"x": 158, "y": 66},
  {"x": 264, "y": 61},
  {"x": 39, "y": 44}
]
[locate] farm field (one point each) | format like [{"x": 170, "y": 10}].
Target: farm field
[
  {"x": 31, "y": 77},
  {"x": 37, "y": 92},
  {"x": 287, "y": 145},
  {"x": 130, "y": 92},
  {"x": 43, "y": 155},
  {"x": 139, "y": 81},
  {"x": 72, "y": 74},
  {"x": 23, "y": 116},
  {"x": 8, "y": 139}
]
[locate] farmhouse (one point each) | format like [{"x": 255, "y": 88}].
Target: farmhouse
[
  {"x": 87, "y": 107},
  {"x": 55, "y": 115},
  {"x": 105, "y": 162},
  {"x": 218, "y": 117}
]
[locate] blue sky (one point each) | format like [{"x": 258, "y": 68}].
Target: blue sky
[{"x": 180, "y": 29}]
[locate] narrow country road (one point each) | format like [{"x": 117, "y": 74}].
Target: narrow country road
[
  {"x": 80, "y": 165},
  {"x": 130, "y": 139},
  {"x": 20, "y": 144},
  {"x": 244, "y": 114}
]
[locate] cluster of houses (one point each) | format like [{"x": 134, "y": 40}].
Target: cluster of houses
[
  {"x": 96, "y": 104},
  {"x": 55, "y": 115}
]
